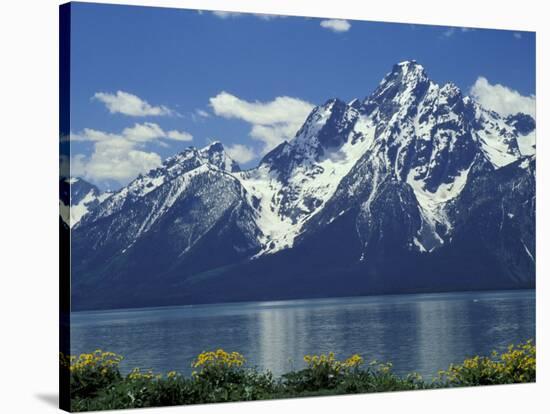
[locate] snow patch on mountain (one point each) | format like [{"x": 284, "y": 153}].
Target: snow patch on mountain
[
  {"x": 527, "y": 143},
  {"x": 498, "y": 139},
  {"x": 177, "y": 187},
  {"x": 432, "y": 207},
  {"x": 311, "y": 183},
  {"x": 212, "y": 156},
  {"x": 83, "y": 197}
]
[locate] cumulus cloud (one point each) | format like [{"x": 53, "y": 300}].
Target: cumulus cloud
[
  {"x": 116, "y": 160},
  {"x": 502, "y": 99},
  {"x": 272, "y": 122},
  {"x": 121, "y": 156},
  {"x": 241, "y": 153},
  {"x": 282, "y": 109},
  {"x": 179, "y": 135},
  {"x": 336, "y": 25},
  {"x": 147, "y": 131},
  {"x": 138, "y": 133},
  {"x": 273, "y": 135},
  {"x": 128, "y": 104}
]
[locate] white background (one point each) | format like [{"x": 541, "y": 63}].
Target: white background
[{"x": 29, "y": 203}]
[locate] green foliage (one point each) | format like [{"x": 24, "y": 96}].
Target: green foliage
[
  {"x": 92, "y": 372},
  {"x": 518, "y": 364},
  {"x": 141, "y": 392},
  {"x": 322, "y": 372},
  {"x": 219, "y": 367},
  {"x": 326, "y": 375},
  {"x": 220, "y": 376}
]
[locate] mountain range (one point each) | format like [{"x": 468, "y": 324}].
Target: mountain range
[{"x": 415, "y": 188}]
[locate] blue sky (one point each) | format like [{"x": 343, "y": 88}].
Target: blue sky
[{"x": 145, "y": 80}]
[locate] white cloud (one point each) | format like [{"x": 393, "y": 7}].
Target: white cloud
[
  {"x": 282, "y": 109},
  {"x": 179, "y": 135},
  {"x": 129, "y": 104},
  {"x": 241, "y": 153},
  {"x": 139, "y": 133},
  {"x": 449, "y": 32},
  {"x": 272, "y": 122},
  {"x": 147, "y": 131},
  {"x": 273, "y": 135},
  {"x": 229, "y": 15},
  {"x": 264, "y": 16},
  {"x": 121, "y": 156},
  {"x": 114, "y": 159},
  {"x": 199, "y": 115},
  {"x": 225, "y": 14},
  {"x": 202, "y": 113},
  {"x": 336, "y": 25},
  {"x": 502, "y": 99}
]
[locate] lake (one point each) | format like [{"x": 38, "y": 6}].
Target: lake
[{"x": 422, "y": 333}]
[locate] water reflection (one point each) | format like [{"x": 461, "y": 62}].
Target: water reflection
[{"x": 422, "y": 333}]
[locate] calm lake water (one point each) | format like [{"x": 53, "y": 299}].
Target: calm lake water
[{"x": 422, "y": 333}]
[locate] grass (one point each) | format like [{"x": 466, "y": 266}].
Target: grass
[{"x": 220, "y": 376}]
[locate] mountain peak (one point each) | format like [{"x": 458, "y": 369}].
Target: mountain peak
[
  {"x": 409, "y": 64},
  {"x": 215, "y": 154},
  {"x": 407, "y": 71},
  {"x": 77, "y": 197},
  {"x": 406, "y": 82},
  {"x": 213, "y": 146},
  {"x": 450, "y": 89},
  {"x": 334, "y": 101}
]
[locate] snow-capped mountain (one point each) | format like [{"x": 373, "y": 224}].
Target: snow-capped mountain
[
  {"x": 77, "y": 198},
  {"x": 167, "y": 215},
  {"x": 183, "y": 165},
  {"x": 294, "y": 181},
  {"x": 416, "y": 187}
]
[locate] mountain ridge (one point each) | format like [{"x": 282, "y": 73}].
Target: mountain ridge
[{"x": 386, "y": 177}]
